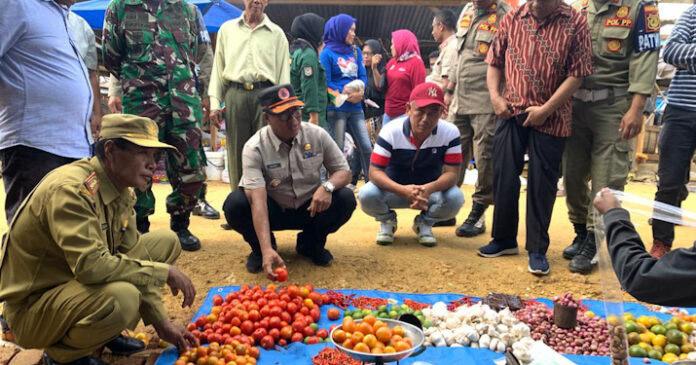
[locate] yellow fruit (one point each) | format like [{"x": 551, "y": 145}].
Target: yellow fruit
[
  {"x": 613, "y": 320},
  {"x": 654, "y": 320},
  {"x": 683, "y": 356},
  {"x": 591, "y": 314},
  {"x": 645, "y": 337},
  {"x": 645, "y": 346},
  {"x": 686, "y": 327},
  {"x": 627, "y": 317},
  {"x": 670, "y": 358},
  {"x": 687, "y": 347},
  {"x": 659, "y": 340}
]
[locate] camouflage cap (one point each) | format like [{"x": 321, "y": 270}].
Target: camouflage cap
[{"x": 141, "y": 131}]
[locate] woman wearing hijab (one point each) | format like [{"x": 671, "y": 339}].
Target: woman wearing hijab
[
  {"x": 307, "y": 76},
  {"x": 404, "y": 72},
  {"x": 343, "y": 63}
]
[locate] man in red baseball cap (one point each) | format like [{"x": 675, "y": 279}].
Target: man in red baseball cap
[{"x": 415, "y": 164}]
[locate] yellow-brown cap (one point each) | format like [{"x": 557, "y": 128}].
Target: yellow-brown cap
[{"x": 141, "y": 131}]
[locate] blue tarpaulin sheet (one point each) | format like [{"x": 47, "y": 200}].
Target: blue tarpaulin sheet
[
  {"x": 215, "y": 12},
  {"x": 301, "y": 354}
]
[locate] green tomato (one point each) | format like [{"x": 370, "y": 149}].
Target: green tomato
[
  {"x": 427, "y": 323},
  {"x": 314, "y": 326},
  {"x": 393, "y": 314},
  {"x": 382, "y": 308},
  {"x": 357, "y": 316},
  {"x": 366, "y": 312},
  {"x": 382, "y": 315}
]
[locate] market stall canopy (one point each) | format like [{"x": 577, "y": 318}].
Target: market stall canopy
[{"x": 215, "y": 12}]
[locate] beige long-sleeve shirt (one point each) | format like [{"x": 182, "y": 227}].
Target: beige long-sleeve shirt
[{"x": 244, "y": 54}]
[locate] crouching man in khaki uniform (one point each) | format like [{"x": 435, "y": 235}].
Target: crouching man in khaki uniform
[{"x": 74, "y": 272}]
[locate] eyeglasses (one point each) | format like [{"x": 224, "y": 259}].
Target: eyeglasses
[{"x": 290, "y": 114}]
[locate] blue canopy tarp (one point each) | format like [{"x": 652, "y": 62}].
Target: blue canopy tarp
[
  {"x": 215, "y": 12},
  {"x": 298, "y": 353}
]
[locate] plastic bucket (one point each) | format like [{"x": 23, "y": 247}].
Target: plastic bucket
[{"x": 216, "y": 163}]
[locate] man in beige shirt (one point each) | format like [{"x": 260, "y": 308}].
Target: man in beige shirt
[
  {"x": 470, "y": 103},
  {"x": 251, "y": 54},
  {"x": 444, "y": 32},
  {"x": 281, "y": 186}
]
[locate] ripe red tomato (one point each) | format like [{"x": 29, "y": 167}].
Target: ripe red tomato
[
  {"x": 217, "y": 300},
  {"x": 286, "y": 332},
  {"x": 262, "y": 302},
  {"x": 190, "y": 327},
  {"x": 297, "y": 337},
  {"x": 298, "y": 325},
  {"x": 281, "y": 274},
  {"x": 275, "y": 311},
  {"x": 267, "y": 342},
  {"x": 274, "y": 322},
  {"x": 265, "y": 311},
  {"x": 315, "y": 297},
  {"x": 308, "y": 331},
  {"x": 254, "y": 315},
  {"x": 292, "y": 308},
  {"x": 247, "y": 327},
  {"x": 315, "y": 313},
  {"x": 322, "y": 333},
  {"x": 264, "y": 323},
  {"x": 286, "y": 317},
  {"x": 201, "y": 321},
  {"x": 304, "y": 310},
  {"x": 293, "y": 291},
  {"x": 334, "y": 314},
  {"x": 235, "y": 321},
  {"x": 275, "y": 333},
  {"x": 259, "y": 333},
  {"x": 312, "y": 340},
  {"x": 282, "y": 342},
  {"x": 230, "y": 297}
]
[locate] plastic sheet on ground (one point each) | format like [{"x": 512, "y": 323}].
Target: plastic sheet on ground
[{"x": 302, "y": 354}]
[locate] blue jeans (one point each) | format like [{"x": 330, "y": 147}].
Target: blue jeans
[
  {"x": 386, "y": 119},
  {"x": 353, "y": 123},
  {"x": 442, "y": 205}
]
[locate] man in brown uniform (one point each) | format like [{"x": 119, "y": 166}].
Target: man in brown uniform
[
  {"x": 470, "y": 103},
  {"x": 74, "y": 272}
]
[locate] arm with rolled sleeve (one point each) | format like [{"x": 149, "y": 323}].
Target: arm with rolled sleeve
[
  {"x": 680, "y": 50},
  {"x": 112, "y": 43},
  {"x": 283, "y": 59},
  {"x": 667, "y": 281},
  {"x": 216, "y": 87}
]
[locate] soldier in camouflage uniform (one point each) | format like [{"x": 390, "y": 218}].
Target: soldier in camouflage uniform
[
  {"x": 608, "y": 111},
  {"x": 151, "y": 47}
]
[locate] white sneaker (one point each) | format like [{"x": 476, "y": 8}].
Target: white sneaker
[
  {"x": 424, "y": 232},
  {"x": 386, "y": 233}
]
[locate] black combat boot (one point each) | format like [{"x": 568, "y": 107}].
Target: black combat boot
[
  {"x": 586, "y": 257},
  {"x": 475, "y": 223},
  {"x": 179, "y": 224},
  {"x": 580, "y": 235},
  {"x": 203, "y": 208}
]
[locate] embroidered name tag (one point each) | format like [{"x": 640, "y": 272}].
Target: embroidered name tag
[{"x": 273, "y": 166}]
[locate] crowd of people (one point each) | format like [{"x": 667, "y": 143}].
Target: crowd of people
[{"x": 564, "y": 85}]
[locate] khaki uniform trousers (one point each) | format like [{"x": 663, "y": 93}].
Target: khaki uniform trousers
[
  {"x": 476, "y": 133},
  {"x": 243, "y": 117},
  {"x": 595, "y": 151},
  {"x": 73, "y": 320}
]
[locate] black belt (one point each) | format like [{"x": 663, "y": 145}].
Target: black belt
[{"x": 251, "y": 86}]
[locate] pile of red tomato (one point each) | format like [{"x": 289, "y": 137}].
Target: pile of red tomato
[{"x": 264, "y": 317}]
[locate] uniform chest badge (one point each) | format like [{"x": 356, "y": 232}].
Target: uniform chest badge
[
  {"x": 465, "y": 22},
  {"x": 274, "y": 183},
  {"x": 652, "y": 19},
  {"x": 622, "y": 12},
  {"x": 90, "y": 185},
  {"x": 483, "y": 48},
  {"x": 492, "y": 18},
  {"x": 308, "y": 71},
  {"x": 614, "y": 45}
]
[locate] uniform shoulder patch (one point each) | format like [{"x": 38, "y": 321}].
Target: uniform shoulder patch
[
  {"x": 91, "y": 185},
  {"x": 308, "y": 71},
  {"x": 647, "y": 30}
]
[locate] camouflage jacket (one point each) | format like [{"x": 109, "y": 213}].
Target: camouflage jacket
[{"x": 152, "y": 47}]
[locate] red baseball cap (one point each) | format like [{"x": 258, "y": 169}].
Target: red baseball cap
[{"x": 427, "y": 93}]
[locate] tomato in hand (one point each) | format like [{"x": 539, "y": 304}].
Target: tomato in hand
[{"x": 281, "y": 274}]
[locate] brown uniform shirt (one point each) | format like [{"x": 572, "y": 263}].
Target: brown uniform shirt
[
  {"x": 75, "y": 226},
  {"x": 290, "y": 173},
  {"x": 475, "y": 34}
]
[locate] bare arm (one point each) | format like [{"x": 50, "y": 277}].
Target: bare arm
[
  {"x": 494, "y": 78},
  {"x": 447, "y": 180},
  {"x": 96, "y": 103}
]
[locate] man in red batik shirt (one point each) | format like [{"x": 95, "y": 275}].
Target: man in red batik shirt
[{"x": 541, "y": 53}]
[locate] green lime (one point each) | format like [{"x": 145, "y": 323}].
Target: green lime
[
  {"x": 393, "y": 314},
  {"x": 314, "y": 326},
  {"x": 675, "y": 336},
  {"x": 382, "y": 308},
  {"x": 671, "y": 326},
  {"x": 357, "y": 315},
  {"x": 654, "y": 354},
  {"x": 672, "y": 349},
  {"x": 637, "y": 351},
  {"x": 657, "y": 329}
]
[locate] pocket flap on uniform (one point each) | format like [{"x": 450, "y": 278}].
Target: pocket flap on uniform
[
  {"x": 484, "y": 36},
  {"x": 616, "y": 32}
]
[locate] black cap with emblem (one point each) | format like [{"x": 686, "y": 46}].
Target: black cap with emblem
[{"x": 277, "y": 99}]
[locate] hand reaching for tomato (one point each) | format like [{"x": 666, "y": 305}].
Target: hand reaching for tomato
[{"x": 272, "y": 259}]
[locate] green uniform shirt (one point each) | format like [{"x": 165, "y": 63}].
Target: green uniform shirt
[
  {"x": 475, "y": 33},
  {"x": 75, "y": 226},
  {"x": 308, "y": 79},
  {"x": 625, "y": 43},
  {"x": 151, "y": 46}
]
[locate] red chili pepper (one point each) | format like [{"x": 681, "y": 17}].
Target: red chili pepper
[
  {"x": 340, "y": 300},
  {"x": 415, "y": 305},
  {"x": 453, "y": 305},
  {"x": 369, "y": 303},
  {"x": 331, "y": 356}
]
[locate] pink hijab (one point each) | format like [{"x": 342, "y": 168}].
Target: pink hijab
[{"x": 405, "y": 44}]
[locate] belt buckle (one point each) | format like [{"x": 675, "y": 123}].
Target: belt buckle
[{"x": 248, "y": 86}]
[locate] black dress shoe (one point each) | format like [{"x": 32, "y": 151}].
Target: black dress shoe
[
  {"x": 87, "y": 360},
  {"x": 254, "y": 263},
  {"x": 125, "y": 346},
  {"x": 205, "y": 210}
]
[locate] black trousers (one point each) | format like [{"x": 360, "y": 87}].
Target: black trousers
[
  {"x": 22, "y": 169},
  {"x": 315, "y": 229},
  {"x": 510, "y": 143},
  {"x": 677, "y": 144}
]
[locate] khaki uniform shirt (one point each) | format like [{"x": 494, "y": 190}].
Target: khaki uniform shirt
[
  {"x": 625, "y": 44},
  {"x": 243, "y": 55},
  {"x": 446, "y": 62},
  {"x": 475, "y": 34},
  {"x": 75, "y": 226},
  {"x": 290, "y": 173}
]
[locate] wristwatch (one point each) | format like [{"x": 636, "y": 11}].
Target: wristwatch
[{"x": 328, "y": 186}]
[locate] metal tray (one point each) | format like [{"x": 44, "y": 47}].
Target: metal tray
[{"x": 414, "y": 333}]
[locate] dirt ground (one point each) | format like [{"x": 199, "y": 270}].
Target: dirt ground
[{"x": 406, "y": 266}]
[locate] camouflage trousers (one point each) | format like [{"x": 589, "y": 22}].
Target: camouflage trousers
[{"x": 185, "y": 167}]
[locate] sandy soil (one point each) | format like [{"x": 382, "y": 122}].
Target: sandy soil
[{"x": 406, "y": 266}]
